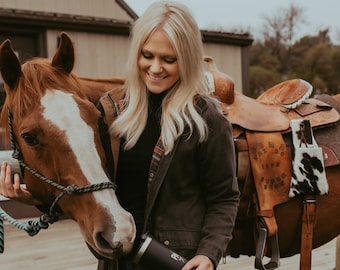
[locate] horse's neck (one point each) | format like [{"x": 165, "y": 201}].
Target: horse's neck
[{"x": 96, "y": 87}]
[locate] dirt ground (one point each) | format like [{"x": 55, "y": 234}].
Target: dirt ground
[{"x": 61, "y": 247}]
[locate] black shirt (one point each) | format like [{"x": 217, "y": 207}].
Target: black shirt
[{"x": 134, "y": 164}]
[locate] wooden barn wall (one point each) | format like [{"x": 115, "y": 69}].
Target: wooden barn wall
[
  {"x": 96, "y": 55},
  {"x": 95, "y": 8}
]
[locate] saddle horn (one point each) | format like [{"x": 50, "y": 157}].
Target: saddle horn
[{"x": 222, "y": 85}]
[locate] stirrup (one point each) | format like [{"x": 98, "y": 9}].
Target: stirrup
[{"x": 275, "y": 258}]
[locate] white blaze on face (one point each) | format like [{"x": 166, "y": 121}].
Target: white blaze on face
[{"x": 62, "y": 110}]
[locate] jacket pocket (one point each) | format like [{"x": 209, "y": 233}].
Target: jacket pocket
[{"x": 184, "y": 243}]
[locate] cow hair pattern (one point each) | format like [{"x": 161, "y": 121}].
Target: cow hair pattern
[{"x": 308, "y": 177}]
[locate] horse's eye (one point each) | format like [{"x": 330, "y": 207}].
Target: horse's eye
[{"x": 30, "y": 139}]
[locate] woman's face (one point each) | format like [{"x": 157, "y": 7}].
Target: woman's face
[{"x": 158, "y": 65}]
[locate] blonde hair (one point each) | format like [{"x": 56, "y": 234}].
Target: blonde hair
[{"x": 178, "y": 108}]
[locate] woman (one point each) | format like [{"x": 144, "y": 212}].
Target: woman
[
  {"x": 188, "y": 197},
  {"x": 171, "y": 148}
]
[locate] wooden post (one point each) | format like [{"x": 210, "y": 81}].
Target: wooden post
[
  {"x": 15, "y": 209},
  {"x": 337, "y": 253},
  {"x": 6, "y": 155}
]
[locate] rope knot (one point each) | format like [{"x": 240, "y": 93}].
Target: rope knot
[
  {"x": 35, "y": 226},
  {"x": 17, "y": 154},
  {"x": 47, "y": 218},
  {"x": 71, "y": 189}
]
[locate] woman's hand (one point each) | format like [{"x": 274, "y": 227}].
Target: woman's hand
[
  {"x": 199, "y": 262},
  {"x": 12, "y": 189}
]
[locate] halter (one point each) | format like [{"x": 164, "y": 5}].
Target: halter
[{"x": 51, "y": 216}]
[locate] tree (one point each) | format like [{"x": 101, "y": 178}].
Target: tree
[
  {"x": 336, "y": 67},
  {"x": 280, "y": 56},
  {"x": 279, "y": 32},
  {"x": 315, "y": 59},
  {"x": 262, "y": 79}
]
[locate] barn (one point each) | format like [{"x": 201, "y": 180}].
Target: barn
[{"x": 99, "y": 30}]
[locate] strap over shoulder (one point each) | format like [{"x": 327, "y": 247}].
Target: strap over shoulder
[{"x": 110, "y": 102}]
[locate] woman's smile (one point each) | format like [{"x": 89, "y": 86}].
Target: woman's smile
[{"x": 156, "y": 78}]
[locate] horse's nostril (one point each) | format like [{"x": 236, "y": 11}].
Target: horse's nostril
[
  {"x": 106, "y": 244},
  {"x": 101, "y": 241}
]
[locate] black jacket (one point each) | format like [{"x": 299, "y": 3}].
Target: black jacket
[{"x": 193, "y": 198}]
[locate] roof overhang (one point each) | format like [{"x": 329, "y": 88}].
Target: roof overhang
[{"x": 28, "y": 19}]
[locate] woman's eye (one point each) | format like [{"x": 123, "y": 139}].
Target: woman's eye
[
  {"x": 170, "y": 60},
  {"x": 166, "y": 59},
  {"x": 147, "y": 56}
]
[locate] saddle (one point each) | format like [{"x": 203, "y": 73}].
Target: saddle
[
  {"x": 263, "y": 131},
  {"x": 262, "y": 135}
]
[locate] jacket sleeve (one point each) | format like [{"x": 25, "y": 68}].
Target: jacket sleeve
[{"x": 217, "y": 167}]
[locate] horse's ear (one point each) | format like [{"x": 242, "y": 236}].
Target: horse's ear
[
  {"x": 64, "y": 57},
  {"x": 10, "y": 65}
]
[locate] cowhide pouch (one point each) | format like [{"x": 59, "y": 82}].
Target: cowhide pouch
[{"x": 309, "y": 177}]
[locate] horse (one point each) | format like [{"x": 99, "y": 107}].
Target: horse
[
  {"x": 270, "y": 222},
  {"x": 51, "y": 119}
]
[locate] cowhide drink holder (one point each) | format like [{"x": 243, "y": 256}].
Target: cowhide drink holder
[{"x": 309, "y": 177}]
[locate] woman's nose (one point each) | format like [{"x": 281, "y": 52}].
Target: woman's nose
[{"x": 156, "y": 67}]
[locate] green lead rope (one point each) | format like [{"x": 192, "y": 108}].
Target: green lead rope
[
  {"x": 32, "y": 228},
  {"x": 2, "y": 236}
]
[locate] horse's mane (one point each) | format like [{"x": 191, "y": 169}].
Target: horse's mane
[{"x": 37, "y": 75}]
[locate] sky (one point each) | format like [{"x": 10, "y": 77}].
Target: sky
[{"x": 248, "y": 15}]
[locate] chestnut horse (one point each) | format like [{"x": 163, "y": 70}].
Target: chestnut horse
[{"x": 53, "y": 122}]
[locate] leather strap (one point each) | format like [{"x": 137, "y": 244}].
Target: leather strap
[
  {"x": 308, "y": 218},
  {"x": 265, "y": 213},
  {"x": 111, "y": 112}
]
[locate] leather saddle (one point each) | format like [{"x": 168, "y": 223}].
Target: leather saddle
[{"x": 272, "y": 110}]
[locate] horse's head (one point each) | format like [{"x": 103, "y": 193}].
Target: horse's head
[{"x": 55, "y": 126}]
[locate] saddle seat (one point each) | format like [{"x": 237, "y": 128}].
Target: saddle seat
[{"x": 288, "y": 94}]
